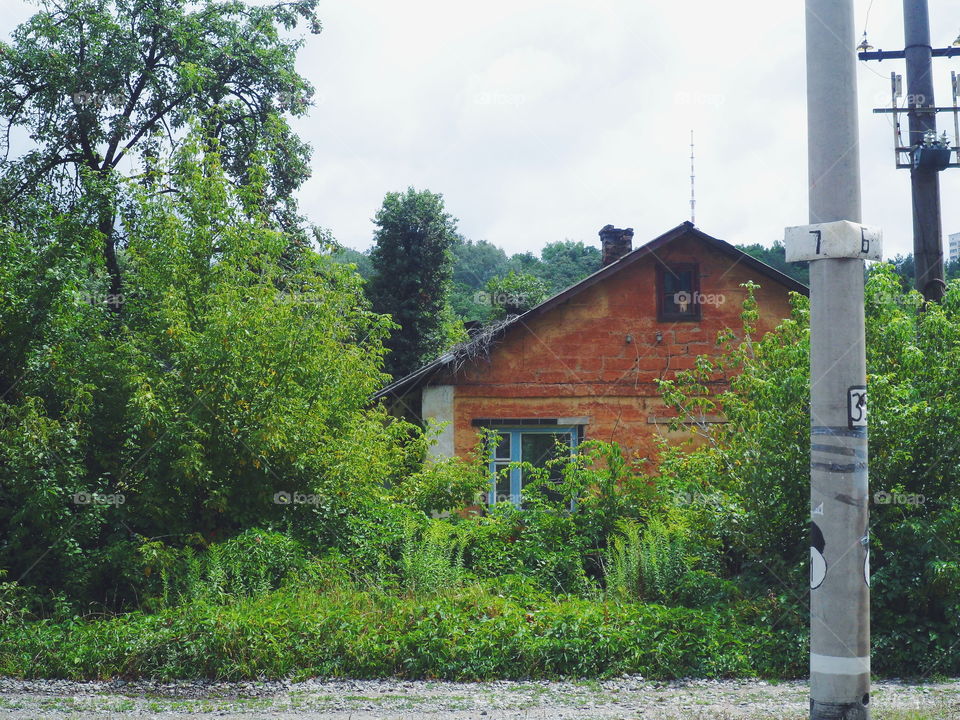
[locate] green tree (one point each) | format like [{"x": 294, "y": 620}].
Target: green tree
[
  {"x": 776, "y": 257},
  {"x": 905, "y": 269},
  {"x": 513, "y": 294},
  {"x": 413, "y": 265},
  {"x": 103, "y": 85},
  {"x": 235, "y": 378},
  {"x": 752, "y": 472},
  {"x": 475, "y": 262},
  {"x": 567, "y": 262},
  {"x": 525, "y": 263},
  {"x": 349, "y": 256}
]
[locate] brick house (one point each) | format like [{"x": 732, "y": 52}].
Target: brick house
[{"x": 583, "y": 363}]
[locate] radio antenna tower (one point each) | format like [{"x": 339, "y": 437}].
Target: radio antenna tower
[{"x": 693, "y": 190}]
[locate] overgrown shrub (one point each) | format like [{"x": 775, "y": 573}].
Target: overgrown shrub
[
  {"x": 432, "y": 557},
  {"x": 252, "y": 563},
  {"x": 569, "y": 510},
  {"x": 662, "y": 562},
  {"x": 444, "y": 485},
  {"x": 474, "y": 633},
  {"x": 750, "y": 479},
  {"x": 240, "y": 374}
]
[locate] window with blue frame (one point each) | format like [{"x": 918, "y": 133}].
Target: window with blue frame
[{"x": 537, "y": 445}]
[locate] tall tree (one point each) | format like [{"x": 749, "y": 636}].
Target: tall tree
[
  {"x": 222, "y": 389},
  {"x": 475, "y": 262},
  {"x": 413, "y": 266},
  {"x": 97, "y": 83},
  {"x": 568, "y": 262},
  {"x": 514, "y": 294}
]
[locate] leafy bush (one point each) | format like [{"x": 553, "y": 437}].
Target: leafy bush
[
  {"x": 432, "y": 557},
  {"x": 661, "y": 562},
  {"x": 560, "y": 534},
  {"x": 443, "y": 485},
  {"x": 751, "y": 478},
  {"x": 252, "y": 563},
  {"x": 473, "y": 633},
  {"x": 242, "y": 373},
  {"x": 514, "y": 293}
]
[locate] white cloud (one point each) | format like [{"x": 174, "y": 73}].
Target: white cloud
[{"x": 545, "y": 119}]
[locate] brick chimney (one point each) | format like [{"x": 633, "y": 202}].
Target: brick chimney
[{"x": 615, "y": 243}]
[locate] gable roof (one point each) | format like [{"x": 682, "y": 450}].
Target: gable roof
[{"x": 461, "y": 353}]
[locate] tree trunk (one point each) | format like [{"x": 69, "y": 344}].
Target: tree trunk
[{"x": 105, "y": 226}]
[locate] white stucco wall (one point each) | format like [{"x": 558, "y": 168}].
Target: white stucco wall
[{"x": 437, "y": 405}]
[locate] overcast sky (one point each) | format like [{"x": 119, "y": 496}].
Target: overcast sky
[{"x": 542, "y": 121}]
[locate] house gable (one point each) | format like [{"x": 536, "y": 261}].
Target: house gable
[{"x": 596, "y": 350}]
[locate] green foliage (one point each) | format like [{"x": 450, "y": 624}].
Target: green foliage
[
  {"x": 90, "y": 78},
  {"x": 361, "y": 260},
  {"x": 559, "y": 536},
  {"x": 475, "y": 262},
  {"x": 480, "y": 269},
  {"x": 237, "y": 377},
  {"x": 566, "y": 262},
  {"x": 776, "y": 257},
  {"x": 750, "y": 480},
  {"x": 412, "y": 265},
  {"x": 663, "y": 562},
  {"x": 514, "y": 294},
  {"x": 252, "y": 563},
  {"x": 905, "y": 267},
  {"x": 751, "y": 477},
  {"x": 480, "y": 632},
  {"x": 443, "y": 485},
  {"x": 98, "y": 84},
  {"x": 432, "y": 557}
]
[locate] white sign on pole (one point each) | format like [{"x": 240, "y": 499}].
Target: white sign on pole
[
  {"x": 857, "y": 406},
  {"x": 843, "y": 239}
]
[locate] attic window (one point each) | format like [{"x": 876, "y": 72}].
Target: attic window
[{"x": 678, "y": 291}]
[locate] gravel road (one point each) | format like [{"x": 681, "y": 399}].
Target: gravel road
[{"x": 628, "y": 697}]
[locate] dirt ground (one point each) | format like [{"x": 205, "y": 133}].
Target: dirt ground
[{"x": 629, "y": 697}]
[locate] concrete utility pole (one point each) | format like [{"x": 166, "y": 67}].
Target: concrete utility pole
[{"x": 836, "y": 244}]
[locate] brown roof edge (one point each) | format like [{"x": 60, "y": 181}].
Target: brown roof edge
[{"x": 422, "y": 374}]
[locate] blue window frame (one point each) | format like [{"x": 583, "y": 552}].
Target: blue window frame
[{"x": 536, "y": 445}]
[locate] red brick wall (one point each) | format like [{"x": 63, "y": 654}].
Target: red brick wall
[{"x": 575, "y": 360}]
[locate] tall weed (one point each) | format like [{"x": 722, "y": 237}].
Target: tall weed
[{"x": 432, "y": 557}]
